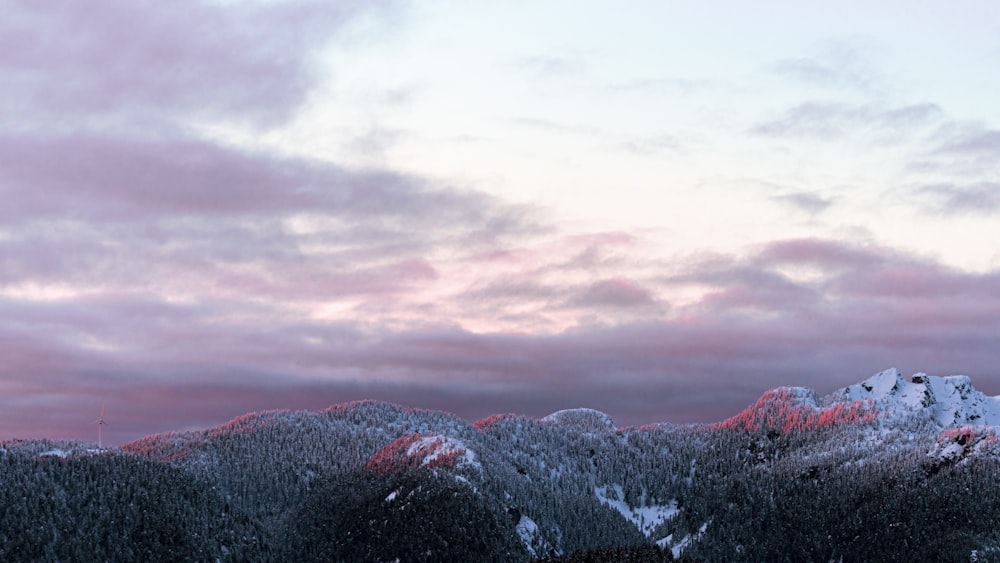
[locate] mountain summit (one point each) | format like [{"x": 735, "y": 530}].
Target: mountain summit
[{"x": 949, "y": 401}]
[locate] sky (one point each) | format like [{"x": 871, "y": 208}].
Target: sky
[{"x": 656, "y": 209}]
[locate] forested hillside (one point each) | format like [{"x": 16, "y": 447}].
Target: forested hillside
[{"x": 892, "y": 469}]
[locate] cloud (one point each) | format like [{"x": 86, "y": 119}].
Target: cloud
[
  {"x": 824, "y": 253},
  {"x": 548, "y": 66},
  {"x": 140, "y": 59},
  {"x": 666, "y": 85},
  {"x": 831, "y": 120},
  {"x": 957, "y": 152},
  {"x": 913, "y": 115},
  {"x": 805, "y": 201},
  {"x": 652, "y": 145},
  {"x": 839, "y": 63},
  {"x": 107, "y": 190},
  {"x": 185, "y": 215},
  {"x": 555, "y": 282},
  {"x": 614, "y": 292},
  {"x": 813, "y": 119},
  {"x": 823, "y": 73},
  {"x": 972, "y": 141},
  {"x": 951, "y": 198},
  {"x": 550, "y": 126},
  {"x": 121, "y": 178}
]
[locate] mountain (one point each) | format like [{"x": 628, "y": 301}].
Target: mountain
[
  {"x": 889, "y": 469},
  {"x": 946, "y": 401}
]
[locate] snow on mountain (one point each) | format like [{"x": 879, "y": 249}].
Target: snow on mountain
[
  {"x": 582, "y": 420},
  {"x": 949, "y": 401},
  {"x": 678, "y": 548},
  {"x": 527, "y": 531},
  {"x": 646, "y": 517},
  {"x": 433, "y": 448},
  {"x": 957, "y": 445},
  {"x": 416, "y": 450}
]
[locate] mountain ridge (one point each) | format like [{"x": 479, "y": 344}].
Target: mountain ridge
[
  {"x": 833, "y": 474},
  {"x": 887, "y": 390}
]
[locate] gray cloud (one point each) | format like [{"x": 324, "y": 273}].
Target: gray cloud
[
  {"x": 843, "y": 63},
  {"x": 614, "y": 292},
  {"x": 973, "y": 141},
  {"x": 831, "y": 120},
  {"x": 841, "y": 72},
  {"x": 962, "y": 159},
  {"x": 92, "y": 176},
  {"x": 805, "y": 201},
  {"x": 979, "y": 198},
  {"x": 914, "y": 115},
  {"x": 120, "y": 212},
  {"x": 122, "y": 58},
  {"x": 828, "y": 254}
]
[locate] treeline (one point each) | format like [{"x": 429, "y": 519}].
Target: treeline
[{"x": 113, "y": 507}]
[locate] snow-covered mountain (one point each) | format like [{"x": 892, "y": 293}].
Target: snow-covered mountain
[
  {"x": 948, "y": 401},
  {"x": 891, "y": 468}
]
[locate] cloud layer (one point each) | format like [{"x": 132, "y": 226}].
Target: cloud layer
[
  {"x": 183, "y": 279},
  {"x": 814, "y": 312}
]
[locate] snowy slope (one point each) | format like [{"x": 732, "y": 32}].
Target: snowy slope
[
  {"x": 949, "y": 401},
  {"x": 646, "y": 517},
  {"x": 582, "y": 420}
]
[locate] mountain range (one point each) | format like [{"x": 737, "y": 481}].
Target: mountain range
[{"x": 889, "y": 469}]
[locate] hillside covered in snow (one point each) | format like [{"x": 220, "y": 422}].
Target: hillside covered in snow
[{"x": 893, "y": 468}]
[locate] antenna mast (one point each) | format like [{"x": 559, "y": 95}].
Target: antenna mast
[{"x": 100, "y": 426}]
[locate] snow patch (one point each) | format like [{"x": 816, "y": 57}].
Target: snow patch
[
  {"x": 416, "y": 450},
  {"x": 958, "y": 444},
  {"x": 645, "y": 517},
  {"x": 582, "y": 420},
  {"x": 435, "y": 448},
  {"x": 681, "y": 545},
  {"x": 527, "y": 530}
]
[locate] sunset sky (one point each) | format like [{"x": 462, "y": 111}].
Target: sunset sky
[{"x": 655, "y": 209}]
